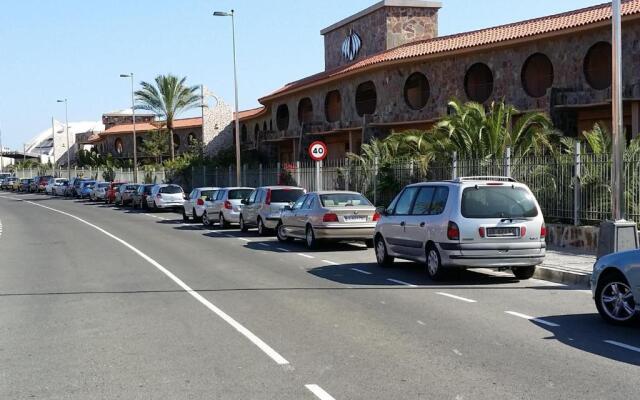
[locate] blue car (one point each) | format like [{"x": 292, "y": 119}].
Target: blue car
[
  {"x": 85, "y": 189},
  {"x": 615, "y": 284}
]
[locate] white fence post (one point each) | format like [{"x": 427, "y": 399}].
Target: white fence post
[
  {"x": 507, "y": 162},
  {"x": 298, "y": 173},
  {"x": 577, "y": 175},
  {"x": 375, "y": 181},
  {"x": 454, "y": 165}
]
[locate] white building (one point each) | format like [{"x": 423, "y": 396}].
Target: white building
[{"x": 51, "y": 143}]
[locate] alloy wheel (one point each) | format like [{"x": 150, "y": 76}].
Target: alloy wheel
[
  {"x": 205, "y": 219},
  {"x": 433, "y": 263},
  {"x": 617, "y": 301},
  {"x": 381, "y": 251}
]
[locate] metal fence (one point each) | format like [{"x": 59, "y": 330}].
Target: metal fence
[{"x": 119, "y": 174}]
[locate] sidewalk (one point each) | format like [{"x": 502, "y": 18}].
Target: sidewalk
[{"x": 566, "y": 266}]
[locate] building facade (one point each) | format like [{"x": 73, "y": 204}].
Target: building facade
[{"x": 387, "y": 70}]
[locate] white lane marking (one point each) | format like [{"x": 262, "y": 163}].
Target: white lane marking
[
  {"x": 244, "y": 240},
  {"x": 457, "y": 352},
  {"x": 227, "y": 235},
  {"x": 421, "y": 323},
  {"x": 530, "y": 318},
  {"x": 319, "y": 392},
  {"x": 281, "y": 249},
  {"x": 330, "y": 262},
  {"x": 305, "y": 255},
  {"x": 226, "y": 317},
  {"x": 401, "y": 282},
  {"x": 453, "y": 296},
  {"x": 264, "y": 244},
  {"x": 0, "y": 228},
  {"x": 623, "y": 345},
  {"x": 361, "y": 271},
  {"x": 214, "y": 232},
  {"x": 584, "y": 291}
]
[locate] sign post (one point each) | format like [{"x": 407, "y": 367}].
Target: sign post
[{"x": 318, "y": 152}]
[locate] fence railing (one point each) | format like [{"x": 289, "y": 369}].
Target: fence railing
[{"x": 118, "y": 174}]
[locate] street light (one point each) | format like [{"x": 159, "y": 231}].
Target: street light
[
  {"x": 235, "y": 83},
  {"x": 66, "y": 119},
  {"x": 1, "y": 153},
  {"x": 133, "y": 111}
]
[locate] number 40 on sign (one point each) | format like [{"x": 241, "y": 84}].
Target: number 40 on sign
[{"x": 318, "y": 151}]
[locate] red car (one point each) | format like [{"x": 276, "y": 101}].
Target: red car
[{"x": 110, "y": 196}]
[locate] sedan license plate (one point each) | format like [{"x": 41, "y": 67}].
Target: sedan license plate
[
  {"x": 503, "y": 232},
  {"x": 355, "y": 218}
]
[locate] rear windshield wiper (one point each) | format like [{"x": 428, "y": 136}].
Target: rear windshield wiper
[{"x": 516, "y": 219}]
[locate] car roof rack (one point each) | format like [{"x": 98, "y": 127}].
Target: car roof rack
[{"x": 485, "y": 178}]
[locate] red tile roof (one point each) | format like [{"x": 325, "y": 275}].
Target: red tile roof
[
  {"x": 254, "y": 112},
  {"x": 187, "y": 123},
  {"x": 440, "y": 45},
  {"x": 127, "y": 128}
]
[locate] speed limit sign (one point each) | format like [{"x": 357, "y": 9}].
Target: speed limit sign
[{"x": 318, "y": 151}]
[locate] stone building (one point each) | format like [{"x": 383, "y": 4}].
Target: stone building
[{"x": 386, "y": 70}]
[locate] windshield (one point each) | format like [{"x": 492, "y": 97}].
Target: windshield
[
  {"x": 343, "y": 200},
  {"x": 147, "y": 189},
  {"x": 171, "y": 189},
  {"x": 498, "y": 202},
  {"x": 239, "y": 194},
  {"x": 285, "y": 195}
]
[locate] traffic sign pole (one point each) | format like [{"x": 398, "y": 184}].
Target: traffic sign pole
[{"x": 318, "y": 152}]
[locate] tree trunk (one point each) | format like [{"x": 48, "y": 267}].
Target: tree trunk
[{"x": 171, "y": 136}]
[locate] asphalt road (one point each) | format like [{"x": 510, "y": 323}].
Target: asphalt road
[{"x": 98, "y": 302}]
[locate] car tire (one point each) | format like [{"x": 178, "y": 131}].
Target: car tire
[
  {"x": 369, "y": 243},
  {"x": 224, "y": 224},
  {"x": 382, "y": 256},
  {"x": 205, "y": 219},
  {"x": 195, "y": 216},
  {"x": 434, "y": 263},
  {"x": 310, "y": 238},
  {"x": 262, "y": 230},
  {"x": 185, "y": 218},
  {"x": 281, "y": 235},
  {"x": 606, "y": 290},
  {"x": 243, "y": 227},
  {"x": 523, "y": 273}
]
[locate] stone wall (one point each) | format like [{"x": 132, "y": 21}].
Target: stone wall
[
  {"x": 217, "y": 124},
  {"x": 405, "y": 25}
]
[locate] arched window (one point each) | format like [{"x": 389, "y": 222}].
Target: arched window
[
  {"x": 305, "y": 111},
  {"x": 478, "y": 82},
  {"x": 333, "y": 106},
  {"x": 119, "y": 146},
  {"x": 264, "y": 126},
  {"x": 366, "y": 98},
  {"x": 537, "y": 75},
  {"x": 243, "y": 133},
  {"x": 282, "y": 117},
  {"x": 271, "y": 125},
  {"x": 176, "y": 141},
  {"x": 416, "y": 91},
  {"x": 256, "y": 130},
  {"x": 597, "y": 66}
]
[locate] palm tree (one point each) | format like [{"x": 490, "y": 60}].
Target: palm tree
[{"x": 169, "y": 97}]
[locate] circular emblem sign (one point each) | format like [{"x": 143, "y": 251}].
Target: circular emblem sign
[{"x": 318, "y": 151}]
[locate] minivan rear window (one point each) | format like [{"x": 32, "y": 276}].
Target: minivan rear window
[
  {"x": 498, "y": 202},
  {"x": 171, "y": 189},
  {"x": 239, "y": 194},
  {"x": 285, "y": 195}
]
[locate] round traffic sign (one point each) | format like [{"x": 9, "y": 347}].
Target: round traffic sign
[{"x": 318, "y": 151}]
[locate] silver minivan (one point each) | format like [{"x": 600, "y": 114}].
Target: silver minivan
[
  {"x": 474, "y": 222},
  {"x": 263, "y": 206}
]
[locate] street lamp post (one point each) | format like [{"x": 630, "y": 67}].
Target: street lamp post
[
  {"x": 1, "y": 153},
  {"x": 66, "y": 120},
  {"x": 617, "y": 168},
  {"x": 133, "y": 112},
  {"x": 235, "y": 83}
]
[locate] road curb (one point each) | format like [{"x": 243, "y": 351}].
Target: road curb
[{"x": 562, "y": 275}]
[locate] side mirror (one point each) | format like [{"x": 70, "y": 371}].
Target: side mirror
[{"x": 382, "y": 210}]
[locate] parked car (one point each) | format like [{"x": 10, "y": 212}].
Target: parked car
[
  {"x": 263, "y": 207},
  {"x": 166, "y": 196},
  {"x": 24, "y": 184},
  {"x": 7, "y": 183},
  {"x": 110, "y": 194},
  {"x": 99, "y": 191},
  {"x": 125, "y": 193},
  {"x": 33, "y": 186},
  {"x": 615, "y": 285},
  {"x": 475, "y": 222},
  {"x": 195, "y": 203},
  {"x": 53, "y": 184},
  {"x": 84, "y": 191},
  {"x": 3, "y": 176},
  {"x": 139, "y": 198},
  {"x": 42, "y": 182},
  {"x": 15, "y": 185},
  {"x": 328, "y": 215},
  {"x": 225, "y": 207}
]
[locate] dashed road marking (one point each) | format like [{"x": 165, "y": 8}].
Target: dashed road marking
[
  {"x": 319, "y": 392},
  {"x": 305, "y": 255},
  {"x": 530, "y": 318},
  {"x": 623, "y": 345},
  {"x": 401, "y": 282},
  {"x": 361, "y": 271},
  {"x": 330, "y": 262},
  {"x": 244, "y": 240},
  {"x": 281, "y": 249},
  {"x": 421, "y": 323},
  {"x": 264, "y": 244},
  {"x": 0, "y": 228},
  {"x": 453, "y": 296}
]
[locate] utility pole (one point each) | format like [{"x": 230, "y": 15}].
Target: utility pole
[
  {"x": 1, "y": 153},
  {"x": 133, "y": 114}
]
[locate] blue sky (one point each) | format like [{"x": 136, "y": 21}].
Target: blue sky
[{"x": 77, "y": 48}]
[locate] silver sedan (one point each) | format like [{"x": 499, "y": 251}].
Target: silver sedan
[
  {"x": 328, "y": 215},
  {"x": 615, "y": 284}
]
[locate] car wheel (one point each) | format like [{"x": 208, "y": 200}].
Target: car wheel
[
  {"x": 243, "y": 226},
  {"x": 523, "y": 272},
  {"x": 195, "y": 216},
  {"x": 281, "y": 234},
  {"x": 434, "y": 263},
  {"x": 185, "y": 218},
  {"x": 262, "y": 230},
  {"x": 310, "y": 238},
  {"x": 369, "y": 243},
  {"x": 615, "y": 302},
  {"x": 224, "y": 224},
  {"x": 205, "y": 219},
  {"x": 382, "y": 256}
]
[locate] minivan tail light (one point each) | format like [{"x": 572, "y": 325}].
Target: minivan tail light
[
  {"x": 481, "y": 231},
  {"x": 376, "y": 217},
  {"x": 200, "y": 202},
  {"x": 543, "y": 231},
  {"x": 330, "y": 217},
  {"x": 453, "y": 232},
  {"x": 523, "y": 231},
  {"x": 267, "y": 201},
  {"x": 228, "y": 205}
]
